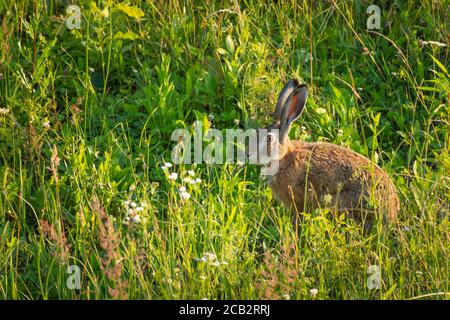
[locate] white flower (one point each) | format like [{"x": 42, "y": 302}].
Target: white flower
[
  {"x": 185, "y": 195},
  {"x": 327, "y": 199},
  {"x": 126, "y": 220},
  {"x": 189, "y": 180},
  {"x": 91, "y": 69},
  {"x": 236, "y": 122},
  {"x": 136, "y": 219},
  {"x": 126, "y": 203},
  {"x": 173, "y": 176},
  {"x": 202, "y": 259},
  {"x": 182, "y": 189},
  {"x": 313, "y": 292},
  {"x": 436, "y": 43},
  {"x": 239, "y": 163},
  {"x": 163, "y": 168},
  {"x": 432, "y": 43},
  {"x": 340, "y": 132},
  {"x": 133, "y": 204},
  {"x": 210, "y": 256},
  {"x": 105, "y": 12},
  {"x": 168, "y": 165},
  {"x": 198, "y": 180},
  {"x": 4, "y": 111},
  {"x": 143, "y": 204},
  {"x": 46, "y": 124},
  {"x": 139, "y": 209},
  {"x": 191, "y": 173}
]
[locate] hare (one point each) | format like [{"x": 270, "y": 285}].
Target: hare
[{"x": 322, "y": 175}]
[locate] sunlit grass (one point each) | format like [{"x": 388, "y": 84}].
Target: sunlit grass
[{"x": 86, "y": 118}]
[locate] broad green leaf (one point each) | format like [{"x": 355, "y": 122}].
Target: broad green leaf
[
  {"x": 321, "y": 111},
  {"x": 129, "y": 35},
  {"x": 376, "y": 119},
  {"x": 133, "y": 12},
  {"x": 230, "y": 44},
  {"x": 221, "y": 51},
  {"x": 441, "y": 66}
]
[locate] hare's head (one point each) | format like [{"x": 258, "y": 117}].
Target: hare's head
[{"x": 273, "y": 141}]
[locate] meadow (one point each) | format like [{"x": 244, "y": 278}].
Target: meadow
[{"x": 90, "y": 199}]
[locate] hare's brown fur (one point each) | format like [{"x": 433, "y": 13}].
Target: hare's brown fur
[
  {"x": 323, "y": 175},
  {"x": 313, "y": 175}
]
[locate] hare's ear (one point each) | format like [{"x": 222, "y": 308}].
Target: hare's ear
[
  {"x": 292, "y": 109},
  {"x": 284, "y": 94}
]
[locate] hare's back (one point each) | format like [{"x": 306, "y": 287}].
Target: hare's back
[
  {"x": 336, "y": 164},
  {"x": 336, "y": 170}
]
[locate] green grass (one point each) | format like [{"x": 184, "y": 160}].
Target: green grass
[{"x": 86, "y": 122}]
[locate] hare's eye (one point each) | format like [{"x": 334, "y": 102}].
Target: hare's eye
[{"x": 270, "y": 138}]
